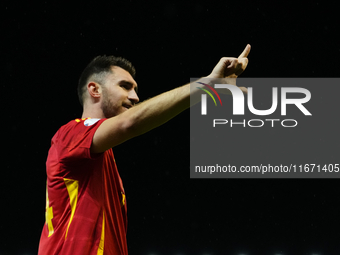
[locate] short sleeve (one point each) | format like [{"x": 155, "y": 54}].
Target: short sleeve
[{"x": 75, "y": 138}]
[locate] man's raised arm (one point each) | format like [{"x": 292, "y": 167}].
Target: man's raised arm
[{"x": 156, "y": 111}]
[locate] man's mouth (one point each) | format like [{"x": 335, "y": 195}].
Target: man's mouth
[{"x": 127, "y": 106}]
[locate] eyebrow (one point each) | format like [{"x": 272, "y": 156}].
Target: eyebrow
[{"x": 122, "y": 82}]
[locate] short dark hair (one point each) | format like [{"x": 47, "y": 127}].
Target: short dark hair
[{"x": 98, "y": 69}]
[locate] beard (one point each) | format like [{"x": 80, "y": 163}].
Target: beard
[{"x": 107, "y": 105}]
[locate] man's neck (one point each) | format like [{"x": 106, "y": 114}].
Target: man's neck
[{"x": 92, "y": 113}]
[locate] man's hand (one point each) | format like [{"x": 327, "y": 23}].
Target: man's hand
[{"x": 231, "y": 67}]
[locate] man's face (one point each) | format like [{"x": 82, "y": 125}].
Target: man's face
[{"x": 119, "y": 93}]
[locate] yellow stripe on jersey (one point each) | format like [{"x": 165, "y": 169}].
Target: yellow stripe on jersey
[
  {"x": 49, "y": 215},
  {"x": 100, "y": 250},
  {"x": 72, "y": 188},
  {"x": 122, "y": 203}
]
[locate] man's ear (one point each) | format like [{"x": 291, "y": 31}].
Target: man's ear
[{"x": 94, "y": 89}]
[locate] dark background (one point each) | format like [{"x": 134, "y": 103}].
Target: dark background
[{"x": 44, "y": 48}]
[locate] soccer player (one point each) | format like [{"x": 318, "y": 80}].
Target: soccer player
[{"x": 85, "y": 197}]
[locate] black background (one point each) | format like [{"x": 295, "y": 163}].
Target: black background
[{"x": 44, "y": 48}]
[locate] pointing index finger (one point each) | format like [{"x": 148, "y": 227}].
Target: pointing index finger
[{"x": 245, "y": 52}]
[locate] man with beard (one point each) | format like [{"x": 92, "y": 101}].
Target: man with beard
[{"x": 85, "y": 197}]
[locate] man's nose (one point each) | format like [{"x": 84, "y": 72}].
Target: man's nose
[{"x": 133, "y": 96}]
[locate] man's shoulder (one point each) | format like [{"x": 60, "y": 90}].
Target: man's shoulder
[{"x": 73, "y": 140}]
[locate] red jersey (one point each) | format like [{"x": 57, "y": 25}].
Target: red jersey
[{"x": 85, "y": 198}]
